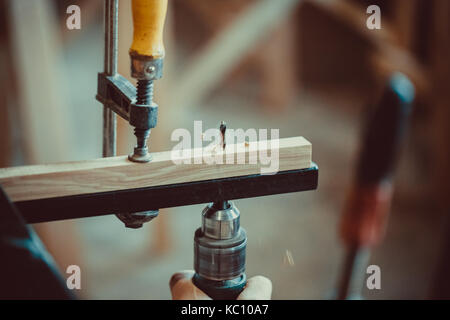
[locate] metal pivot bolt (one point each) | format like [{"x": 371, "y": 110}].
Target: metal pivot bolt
[{"x": 136, "y": 220}]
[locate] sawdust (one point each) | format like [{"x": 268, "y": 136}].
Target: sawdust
[{"x": 288, "y": 259}]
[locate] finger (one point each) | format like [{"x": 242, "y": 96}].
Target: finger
[
  {"x": 257, "y": 288},
  {"x": 182, "y": 288},
  {"x": 184, "y": 274}
]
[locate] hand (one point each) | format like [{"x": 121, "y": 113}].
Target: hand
[{"x": 182, "y": 288}]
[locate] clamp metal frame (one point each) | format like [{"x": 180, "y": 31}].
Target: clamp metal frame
[
  {"x": 118, "y": 96},
  {"x": 116, "y": 93}
]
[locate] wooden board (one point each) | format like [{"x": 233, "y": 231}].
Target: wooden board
[{"x": 118, "y": 173}]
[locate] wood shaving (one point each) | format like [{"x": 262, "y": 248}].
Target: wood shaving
[{"x": 288, "y": 259}]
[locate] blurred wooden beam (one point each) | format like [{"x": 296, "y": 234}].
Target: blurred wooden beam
[
  {"x": 439, "y": 48},
  {"x": 37, "y": 50},
  {"x": 7, "y": 88},
  {"x": 388, "y": 55},
  {"x": 405, "y": 22},
  {"x": 354, "y": 16},
  {"x": 439, "y": 52},
  {"x": 40, "y": 97},
  {"x": 213, "y": 63}
]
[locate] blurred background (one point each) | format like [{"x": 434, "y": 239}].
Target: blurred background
[{"x": 308, "y": 68}]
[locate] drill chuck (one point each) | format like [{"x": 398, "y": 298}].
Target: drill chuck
[{"x": 219, "y": 252}]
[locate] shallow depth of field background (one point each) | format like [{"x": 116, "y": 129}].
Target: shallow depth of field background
[{"x": 313, "y": 74}]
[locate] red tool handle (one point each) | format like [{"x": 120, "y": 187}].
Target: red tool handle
[{"x": 367, "y": 207}]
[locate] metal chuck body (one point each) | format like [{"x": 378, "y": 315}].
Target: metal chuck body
[{"x": 219, "y": 252}]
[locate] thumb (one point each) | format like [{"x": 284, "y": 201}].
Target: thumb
[
  {"x": 257, "y": 288},
  {"x": 182, "y": 288}
]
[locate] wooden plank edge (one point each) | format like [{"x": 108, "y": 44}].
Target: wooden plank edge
[{"x": 158, "y": 197}]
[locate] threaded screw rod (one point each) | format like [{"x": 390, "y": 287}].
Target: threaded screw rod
[
  {"x": 144, "y": 92},
  {"x": 144, "y": 96}
]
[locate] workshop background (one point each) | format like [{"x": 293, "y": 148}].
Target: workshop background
[{"x": 311, "y": 69}]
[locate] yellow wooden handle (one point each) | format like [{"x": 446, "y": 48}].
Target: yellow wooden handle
[{"x": 148, "y": 21}]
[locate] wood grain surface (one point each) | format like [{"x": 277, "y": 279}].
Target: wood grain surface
[{"x": 118, "y": 173}]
